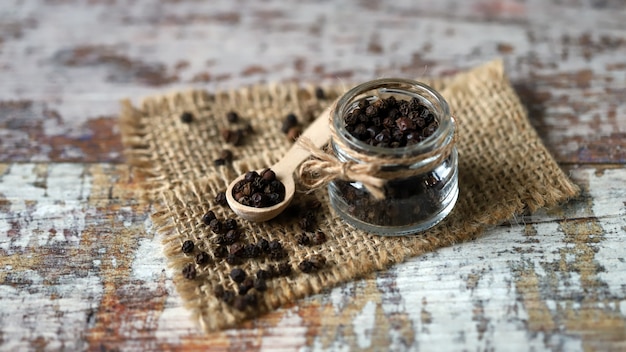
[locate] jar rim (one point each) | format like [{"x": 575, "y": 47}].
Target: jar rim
[{"x": 442, "y": 135}]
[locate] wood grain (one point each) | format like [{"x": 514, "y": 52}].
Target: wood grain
[{"x": 81, "y": 267}]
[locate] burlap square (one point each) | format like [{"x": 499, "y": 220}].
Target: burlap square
[{"x": 504, "y": 170}]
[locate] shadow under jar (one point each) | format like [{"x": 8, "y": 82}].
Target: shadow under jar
[{"x": 421, "y": 175}]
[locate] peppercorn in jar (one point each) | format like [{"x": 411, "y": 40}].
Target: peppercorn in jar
[{"x": 403, "y": 135}]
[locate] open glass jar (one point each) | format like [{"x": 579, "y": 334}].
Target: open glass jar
[{"x": 421, "y": 179}]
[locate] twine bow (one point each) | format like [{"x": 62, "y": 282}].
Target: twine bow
[{"x": 323, "y": 168}]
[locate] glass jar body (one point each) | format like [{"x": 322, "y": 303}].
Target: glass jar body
[{"x": 413, "y": 201}]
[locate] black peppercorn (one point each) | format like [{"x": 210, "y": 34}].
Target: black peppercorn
[
  {"x": 284, "y": 269},
  {"x": 202, "y": 258},
  {"x": 318, "y": 238},
  {"x": 306, "y": 266},
  {"x": 230, "y": 224},
  {"x": 307, "y": 222},
  {"x": 206, "y": 218},
  {"x": 290, "y": 121},
  {"x": 187, "y": 246},
  {"x": 220, "y": 198},
  {"x": 303, "y": 239},
  {"x": 220, "y": 252},
  {"x": 237, "y": 249},
  {"x": 277, "y": 255},
  {"x": 232, "y": 117},
  {"x": 319, "y": 93},
  {"x": 231, "y": 236},
  {"x": 246, "y": 285},
  {"x": 263, "y": 274},
  {"x": 238, "y": 275},
  {"x": 186, "y": 117},
  {"x": 263, "y": 245},
  {"x": 251, "y": 251},
  {"x": 233, "y": 259},
  {"x": 272, "y": 271},
  {"x": 260, "y": 284},
  {"x": 218, "y": 291},
  {"x": 189, "y": 271},
  {"x": 226, "y": 155},
  {"x": 216, "y": 226},
  {"x": 228, "y": 296},
  {"x": 251, "y": 300},
  {"x": 312, "y": 264}
]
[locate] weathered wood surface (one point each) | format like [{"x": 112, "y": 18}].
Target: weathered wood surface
[{"x": 81, "y": 268}]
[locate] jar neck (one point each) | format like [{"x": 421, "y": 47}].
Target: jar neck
[{"x": 401, "y": 89}]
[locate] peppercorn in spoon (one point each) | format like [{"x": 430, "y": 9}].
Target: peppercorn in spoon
[{"x": 319, "y": 134}]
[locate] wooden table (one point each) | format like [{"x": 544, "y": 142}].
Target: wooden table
[{"x": 81, "y": 267}]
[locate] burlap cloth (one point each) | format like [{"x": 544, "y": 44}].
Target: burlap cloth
[{"x": 504, "y": 170}]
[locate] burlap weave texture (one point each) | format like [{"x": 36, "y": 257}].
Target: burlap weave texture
[{"x": 504, "y": 170}]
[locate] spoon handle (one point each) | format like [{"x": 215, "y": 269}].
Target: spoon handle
[{"x": 318, "y": 132}]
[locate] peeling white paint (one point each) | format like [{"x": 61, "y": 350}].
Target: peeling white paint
[
  {"x": 57, "y": 314},
  {"x": 364, "y": 324},
  {"x": 44, "y": 211},
  {"x": 287, "y": 335}
]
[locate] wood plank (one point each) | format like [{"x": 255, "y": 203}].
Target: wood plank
[
  {"x": 81, "y": 268},
  {"x": 67, "y": 65}
]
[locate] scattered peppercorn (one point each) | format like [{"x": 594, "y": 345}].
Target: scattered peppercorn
[
  {"x": 251, "y": 300},
  {"x": 230, "y": 237},
  {"x": 237, "y": 249},
  {"x": 314, "y": 263},
  {"x": 263, "y": 245},
  {"x": 318, "y": 238},
  {"x": 187, "y": 246},
  {"x": 227, "y": 155},
  {"x": 189, "y": 271},
  {"x": 220, "y": 198},
  {"x": 186, "y": 117},
  {"x": 263, "y": 274},
  {"x": 218, "y": 291},
  {"x": 232, "y": 117},
  {"x": 233, "y": 259},
  {"x": 272, "y": 271},
  {"x": 303, "y": 239},
  {"x": 206, "y": 218},
  {"x": 259, "y": 190},
  {"x": 284, "y": 269},
  {"x": 228, "y": 296},
  {"x": 234, "y": 137},
  {"x": 306, "y": 266},
  {"x": 308, "y": 221},
  {"x": 238, "y": 275},
  {"x": 251, "y": 251},
  {"x": 260, "y": 284},
  {"x": 202, "y": 258},
  {"x": 275, "y": 245},
  {"x": 290, "y": 121},
  {"x": 216, "y": 226},
  {"x": 220, "y": 252},
  {"x": 246, "y": 285},
  {"x": 293, "y": 133},
  {"x": 230, "y": 224},
  {"x": 319, "y": 93}
]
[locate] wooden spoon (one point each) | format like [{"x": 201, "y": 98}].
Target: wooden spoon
[{"x": 319, "y": 133}]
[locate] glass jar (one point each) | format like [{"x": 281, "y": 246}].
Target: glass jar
[{"x": 413, "y": 201}]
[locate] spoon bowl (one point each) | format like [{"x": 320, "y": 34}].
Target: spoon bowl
[
  {"x": 319, "y": 133},
  {"x": 266, "y": 213}
]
